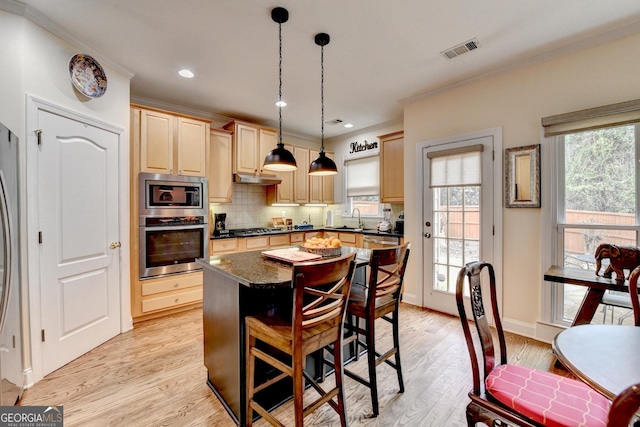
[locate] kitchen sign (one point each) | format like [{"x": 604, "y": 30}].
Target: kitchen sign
[{"x": 358, "y": 147}]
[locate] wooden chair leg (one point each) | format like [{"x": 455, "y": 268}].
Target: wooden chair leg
[
  {"x": 371, "y": 356},
  {"x": 396, "y": 344},
  {"x": 298, "y": 388},
  {"x": 251, "y": 363},
  {"x": 339, "y": 377}
]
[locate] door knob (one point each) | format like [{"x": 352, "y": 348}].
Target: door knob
[
  {"x": 427, "y": 235},
  {"x": 114, "y": 245}
]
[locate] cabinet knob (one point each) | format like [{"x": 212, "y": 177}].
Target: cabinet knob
[
  {"x": 176, "y": 285},
  {"x": 177, "y": 299}
]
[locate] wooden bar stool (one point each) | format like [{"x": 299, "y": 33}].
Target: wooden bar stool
[
  {"x": 380, "y": 299},
  {"x": 320, "y": 295}
]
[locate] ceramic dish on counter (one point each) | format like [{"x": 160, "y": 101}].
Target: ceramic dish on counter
[{"x": 87, "y": 76}]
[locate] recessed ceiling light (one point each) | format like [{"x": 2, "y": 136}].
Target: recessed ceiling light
[
  {"x": 281, "y": 103},
  {"x": 348, "y": 125},
  {"x": 187, "y": 74}
]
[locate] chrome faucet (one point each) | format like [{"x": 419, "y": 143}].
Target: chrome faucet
[{"x": 360, "y": 224}]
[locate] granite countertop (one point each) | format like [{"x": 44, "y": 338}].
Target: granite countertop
[
  {"x": 367, "y": 231},
  {"x": 254, "y": 270}
]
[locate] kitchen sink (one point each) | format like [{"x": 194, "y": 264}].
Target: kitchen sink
[{"x": 344, "y": 227}]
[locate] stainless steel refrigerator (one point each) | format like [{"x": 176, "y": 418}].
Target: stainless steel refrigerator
[{"x": 11, "y": 372}]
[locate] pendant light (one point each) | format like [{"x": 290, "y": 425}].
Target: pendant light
[
  {"x": 323, "y": 165},
  {"x": 280, "y": 159}
]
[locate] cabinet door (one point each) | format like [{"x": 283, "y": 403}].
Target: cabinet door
[
  {"x": 219, "y": 170},
  {"x": 192, "y": 142},
  {"x": 268, "y": 140},
  {"x": 301, "y": 175},
  {"x": 246, "y": 149},
  {"x": 156, "y": 142},
  {"x": 391, "y": 167},
  {"x": 327, "y": 185},
  {"x": 315, "y": 182}
]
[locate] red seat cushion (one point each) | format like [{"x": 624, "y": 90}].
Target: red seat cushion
[{"x": 549, "y": 399}]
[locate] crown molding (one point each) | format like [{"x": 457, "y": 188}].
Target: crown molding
[{"x": 357, "y": 132}]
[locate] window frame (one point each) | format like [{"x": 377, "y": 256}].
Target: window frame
[
  {"x": 555, "y": 224},
  {"x": 347, "y": 201}
]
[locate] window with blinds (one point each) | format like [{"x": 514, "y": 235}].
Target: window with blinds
[{"x": 362, "y": 185}]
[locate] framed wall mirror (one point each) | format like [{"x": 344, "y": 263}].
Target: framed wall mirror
[{"x": 522, "y": 180}]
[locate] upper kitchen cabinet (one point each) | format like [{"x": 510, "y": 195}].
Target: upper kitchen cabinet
[
  {"x": 251, "y": 144},
  {"x": 392, "y": 167},
  {"x": 283, "y": 192},
  {"x": 170, "y": 144},
  {"x": 219, "y": 169},
  {"x": 301, "y": 175},
  {"x": 320, "y": 187}
]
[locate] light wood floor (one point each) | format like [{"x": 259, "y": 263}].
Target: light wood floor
[{"x": 154, "y": 376}]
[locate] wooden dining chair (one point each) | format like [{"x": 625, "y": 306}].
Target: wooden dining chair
[
  {"x": 379, "y": 299},
  {"x": 320, "y": 295},
  {"x": 624, "y": 408},
  {"x": 633, "y": 292},
  {"x": 515, "y": 394}
]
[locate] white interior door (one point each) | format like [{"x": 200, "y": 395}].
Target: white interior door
[
  {"x": 457, "y": 216},
  {"x": 78, "y": 199}
]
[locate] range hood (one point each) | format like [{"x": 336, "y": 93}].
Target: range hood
[{"x": 242, "y": 178}]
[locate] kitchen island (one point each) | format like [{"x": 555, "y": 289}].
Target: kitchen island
[{"x": 239, "y": 285}]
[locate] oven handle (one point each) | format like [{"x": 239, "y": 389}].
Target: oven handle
[{"x": 175, "y": 227}]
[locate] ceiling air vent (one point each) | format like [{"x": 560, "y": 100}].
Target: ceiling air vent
[
  {"x": 461, "y": 48},
  {"x": 334, "y": 122}
]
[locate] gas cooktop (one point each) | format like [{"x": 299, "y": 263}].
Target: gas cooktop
[{"x": 242, "y": 232}]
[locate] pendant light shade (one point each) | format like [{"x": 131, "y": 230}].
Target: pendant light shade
[
  {"x": 323, "y": 165},
  {"x": 280, "y": 159}
]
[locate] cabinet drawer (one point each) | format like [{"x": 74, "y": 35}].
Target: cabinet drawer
[
  {"x": 296, "y": 237},
  {"x": 257, "y": 243},
  {"x": 172, "y": 300},
  {"x": 223, "y": 246},
  {"x": 347, "y": 237},
  {"x": 165, "y": 284},
  {"x": 310, "y": 234},
  {"x": 280, "y": 240}
]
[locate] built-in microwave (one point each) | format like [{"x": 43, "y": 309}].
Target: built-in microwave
[
  {"x": 173, "y": 228},
  {"x": 170, "y": 195}
]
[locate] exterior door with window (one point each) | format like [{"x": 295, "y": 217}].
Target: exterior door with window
[{"x": 457, "y": 216}]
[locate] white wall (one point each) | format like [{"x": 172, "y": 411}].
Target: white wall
[
  {"x": 516, "y": 101},
  {"x": 36, "y": 63}
]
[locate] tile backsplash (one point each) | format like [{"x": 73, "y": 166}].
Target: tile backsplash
[{"x": 249, "y": 209}]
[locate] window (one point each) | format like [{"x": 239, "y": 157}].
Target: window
[
  {"x": 595, "y": 191},
  {"x": 362, "y": 186}
]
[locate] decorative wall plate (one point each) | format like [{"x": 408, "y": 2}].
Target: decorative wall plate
[{"x": 87, "y": 76}]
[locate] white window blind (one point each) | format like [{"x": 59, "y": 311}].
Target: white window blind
[
  {"x": 455, "y": 168},
  {"x": 363, "y": 176}
]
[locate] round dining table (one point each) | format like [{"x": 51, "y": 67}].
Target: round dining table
[{"x": 607, "y": 357}]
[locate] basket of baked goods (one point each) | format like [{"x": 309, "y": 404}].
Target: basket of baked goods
[{"x": 326, "y": 247}]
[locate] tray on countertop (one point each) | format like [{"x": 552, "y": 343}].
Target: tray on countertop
[{"x": 291, "y": 255}]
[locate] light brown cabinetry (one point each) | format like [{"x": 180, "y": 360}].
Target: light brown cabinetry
[
  {"x": 171, "y": 144},
  {"x": 283, "y": 192},
  {"x": 223, "y": 246},
  {"x": 251, "y": 144},
  {"x": 219, "y": 167},
  {"x": 170, "y": 292},
  {"x": 392, "y": 167},
  {"x": 166, "y": 143},
  {"x": 320, "y": 187},
  {"x": 301, "y": 175}
]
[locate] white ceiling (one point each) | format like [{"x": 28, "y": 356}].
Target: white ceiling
[{"x": 381, "y": 54}]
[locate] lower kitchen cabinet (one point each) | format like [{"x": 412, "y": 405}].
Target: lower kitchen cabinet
[
  {"x": 223, "y": 246},
  {"x": 170, "y": 292}
]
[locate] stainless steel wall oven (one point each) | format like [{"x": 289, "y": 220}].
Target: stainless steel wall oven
[{"x": 173, "y": 224}]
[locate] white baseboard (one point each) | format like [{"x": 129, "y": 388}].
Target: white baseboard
[{"x": 411, "y": 299}]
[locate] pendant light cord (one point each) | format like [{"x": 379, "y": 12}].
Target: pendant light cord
[
  {"x": 322, "y": 97},
  {"x": 280, "y": 84}
]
